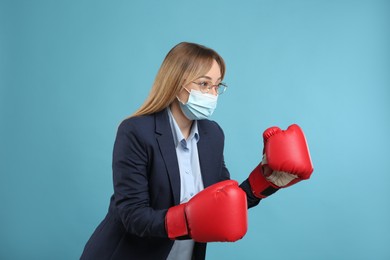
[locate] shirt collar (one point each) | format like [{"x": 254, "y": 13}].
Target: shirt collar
[{"x": 177, "y": 134}]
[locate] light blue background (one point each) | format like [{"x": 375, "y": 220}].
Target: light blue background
[{"x": 72, "y": 70}]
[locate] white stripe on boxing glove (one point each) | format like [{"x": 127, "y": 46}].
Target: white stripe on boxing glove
[{"x": 278, "y": 178}]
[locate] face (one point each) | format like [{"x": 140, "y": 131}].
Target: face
[{"x": 213, "y": 76}]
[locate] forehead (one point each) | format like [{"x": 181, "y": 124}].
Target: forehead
[{"x": 214, "y": 73}]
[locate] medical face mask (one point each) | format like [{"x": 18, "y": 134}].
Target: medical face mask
[{"x": 199, "y": 105}]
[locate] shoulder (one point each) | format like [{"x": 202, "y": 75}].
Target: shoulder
[
  {"x": 137, "y": 121},
  {"x": 138, "y": 125}
]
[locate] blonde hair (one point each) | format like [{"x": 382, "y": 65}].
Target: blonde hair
[{"x": 184, "y": 63}]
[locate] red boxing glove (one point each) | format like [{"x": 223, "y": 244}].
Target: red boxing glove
[
  {"x": 287, "y": 156},
  {"x": 216, "y": 214}
]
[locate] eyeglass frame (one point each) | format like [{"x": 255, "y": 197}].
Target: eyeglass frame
[{"x": 206, "y": 89}]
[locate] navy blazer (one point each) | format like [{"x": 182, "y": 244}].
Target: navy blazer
[{"x": 146, "y": 181}]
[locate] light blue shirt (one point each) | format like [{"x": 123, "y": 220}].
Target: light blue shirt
[{"x": 190, "y": 178}]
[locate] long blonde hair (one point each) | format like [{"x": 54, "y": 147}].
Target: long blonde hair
[{"x": 184, "y": 63}]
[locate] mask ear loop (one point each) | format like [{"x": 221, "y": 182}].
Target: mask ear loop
[
  {"x": 189, "y": 92},
  {"x": 179, "y": 100}
]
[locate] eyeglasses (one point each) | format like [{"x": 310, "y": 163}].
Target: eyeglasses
[{"x": 205, "y": 86}]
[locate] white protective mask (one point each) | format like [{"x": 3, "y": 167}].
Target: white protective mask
[{"x": 199, "y": 105}]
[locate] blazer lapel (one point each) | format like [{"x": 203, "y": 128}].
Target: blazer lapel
[
  {"x": 204, "y": 152},
  {"x": 168, "y": 152}
]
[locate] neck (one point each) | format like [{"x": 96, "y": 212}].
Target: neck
[{"x": 183, "y": 122}]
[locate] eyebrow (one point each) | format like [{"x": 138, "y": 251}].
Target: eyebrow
[{"x": 207, "y": 77}]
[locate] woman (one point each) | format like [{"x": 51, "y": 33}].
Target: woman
[{"x": 163, "y": 155}]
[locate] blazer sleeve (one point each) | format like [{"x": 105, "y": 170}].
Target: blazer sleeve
[{"x": 130, "y": 179}]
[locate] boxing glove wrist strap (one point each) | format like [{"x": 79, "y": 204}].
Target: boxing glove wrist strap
[
  {"x": 260, "y": 186},
  {"x": 175, "y": 222}
]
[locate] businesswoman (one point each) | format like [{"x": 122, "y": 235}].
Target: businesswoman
[{"x": 168, "y": 168}]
